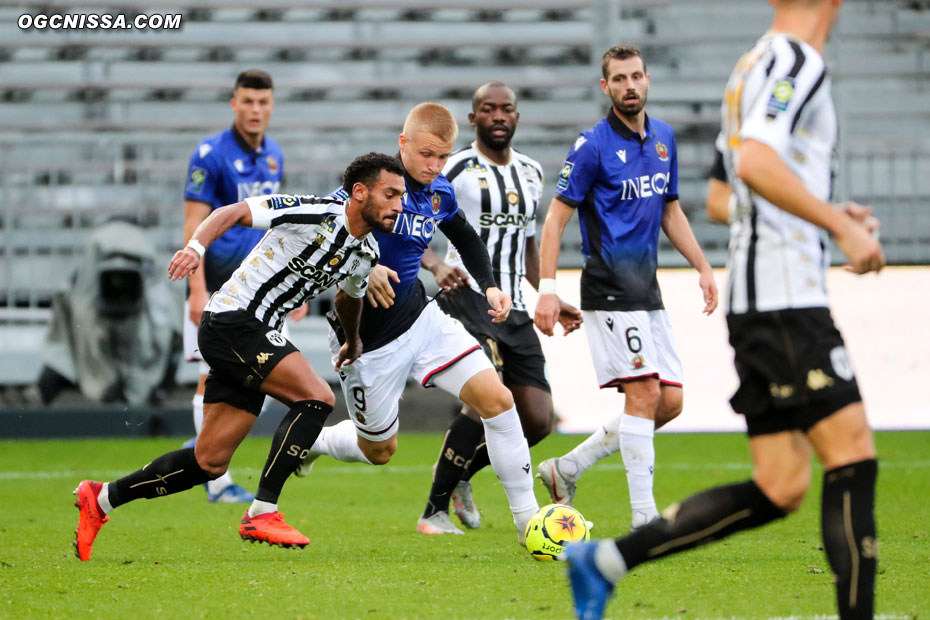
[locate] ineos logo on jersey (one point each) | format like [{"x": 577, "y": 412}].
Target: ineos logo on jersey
[
  {"x": 518, "y": 220},
  {"x": 257, "y": 188},
  {"x": 644, "y": 186},
  {"x": 302, "y": 268},
  {"x": 415, "y": 225}
]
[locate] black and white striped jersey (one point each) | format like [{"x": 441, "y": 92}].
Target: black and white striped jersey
[
  {"x": 779, "y": 95},
  {"x": 306, "y": 250},
  {"x": 500, "y": 203}
]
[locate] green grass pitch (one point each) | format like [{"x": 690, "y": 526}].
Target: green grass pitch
[{"x": 180, "y": 557}]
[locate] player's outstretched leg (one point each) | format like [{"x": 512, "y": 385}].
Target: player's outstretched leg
[
  {"x": 339, "y": 442},
  {"x": 559, "y": 475},
  {"x": 170, "y": 473},
  {"x": 291, "y": 442},
  {"x": 710, "y": 515}
]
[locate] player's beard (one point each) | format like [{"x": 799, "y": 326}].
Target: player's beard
[
  {"x": 629, "y": 110},
  {"x": 381, "y": 224},
  {"x": 498, "y": 142}
]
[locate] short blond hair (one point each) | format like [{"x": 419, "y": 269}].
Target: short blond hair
[{"x": 432, "y": 118}]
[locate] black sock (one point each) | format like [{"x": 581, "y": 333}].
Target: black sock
[
  {"x": 290, "y": 445},
  {"x": 478, "y": 462},
  {"x": 847, "y": 522},
  {"x": 169, "y": 473},
  {"x": 710, "y": 515},
  {"x": 463, "y": 436}
]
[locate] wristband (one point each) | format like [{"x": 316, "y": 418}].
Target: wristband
[
  {"x": 196, "y": 246},
  {"x": 546, "y": 286}
]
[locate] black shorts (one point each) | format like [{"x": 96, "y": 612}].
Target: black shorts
[
  {"x": 241, "y": 352},
  {"x": 793, "y": 369},
  {"x": 512, "y": 346}
]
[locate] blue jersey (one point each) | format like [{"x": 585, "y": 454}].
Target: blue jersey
[
  {"x": 620, "y": 182},
  {"x": 223, "y": 170},
  {"x": 426, "y": 208}
]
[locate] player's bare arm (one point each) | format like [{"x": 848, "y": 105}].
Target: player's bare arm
[
  {"x": 678, "y": 230},
  {"x": 195, "y": 212},
  {"x": 187, "y": 259},
  {"x": 548, "y": 305},
  {"x": 380, "y": 292},
  {"x": 349, "y": 311},
  {"x": 448, "y": 278},
  {"x": 569, "y": 316},
  {"x": 717, "y": 201},
  {"x": 765, "y": 173}
]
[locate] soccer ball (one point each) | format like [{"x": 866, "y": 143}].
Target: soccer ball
[{"x": 553, "y": 527}]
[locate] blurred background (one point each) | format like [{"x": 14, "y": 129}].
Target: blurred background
[{"x": 99, "y": 124}]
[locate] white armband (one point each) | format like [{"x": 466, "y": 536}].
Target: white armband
[
  {"x": 196, "y": 246},
  {"x": 547, "y": 286}
]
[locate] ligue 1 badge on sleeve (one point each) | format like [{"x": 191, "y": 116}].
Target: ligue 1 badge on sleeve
[
  {"x": 662, "y": 151},
  {"x": 564, "y": 174},
  {"x": 198, "y": 176},
  {"x": 435, "y": 200}
]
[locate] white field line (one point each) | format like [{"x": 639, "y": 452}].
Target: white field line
[{"x": 358, "y": 468}]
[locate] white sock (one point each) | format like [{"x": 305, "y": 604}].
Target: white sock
[
  {"x": 609, "y": 561},
  {"x": 639, "y": 458},
  {"x": 259, "y": 507},
  {"x": 103, "y": 499},
  {"x": 265, "y": 404},
  {"x": 341, "y": 443},
  {"x": 197, "y": 404},
  {"x": 510, "y": 458},
  {"x": 601, "y": 444},
  {"x": 215, "y": 486}
]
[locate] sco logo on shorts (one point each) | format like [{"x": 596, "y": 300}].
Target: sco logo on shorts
[
  {"x": 841, "y": 365},
  {"x": 275, "y": 338}
]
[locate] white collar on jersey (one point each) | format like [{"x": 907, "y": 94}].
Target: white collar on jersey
[{"x": 490, "y": 161}]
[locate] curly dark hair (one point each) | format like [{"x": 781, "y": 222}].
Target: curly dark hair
[{"x": 366, "y": 169}]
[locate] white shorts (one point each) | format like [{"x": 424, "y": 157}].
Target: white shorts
[
  {"x": 436, "y": 351},
  {"x": 192, "y": 349},
  {"x": 627, "y": 345}
]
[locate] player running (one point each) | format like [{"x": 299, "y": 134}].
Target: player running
[
  {"x": 622, "y": 178},
  {"x": 235, "y": 164},
  {"x": 405, "y": 334},
  {"x": 312, "y": 244},
  {"x": 797, "y": 388},
  {"x": 498, "y": 189}
]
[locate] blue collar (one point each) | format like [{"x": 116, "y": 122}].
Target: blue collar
[
  {"x": 245, "y": 146},
  {"x": 627, "y": 133}
]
